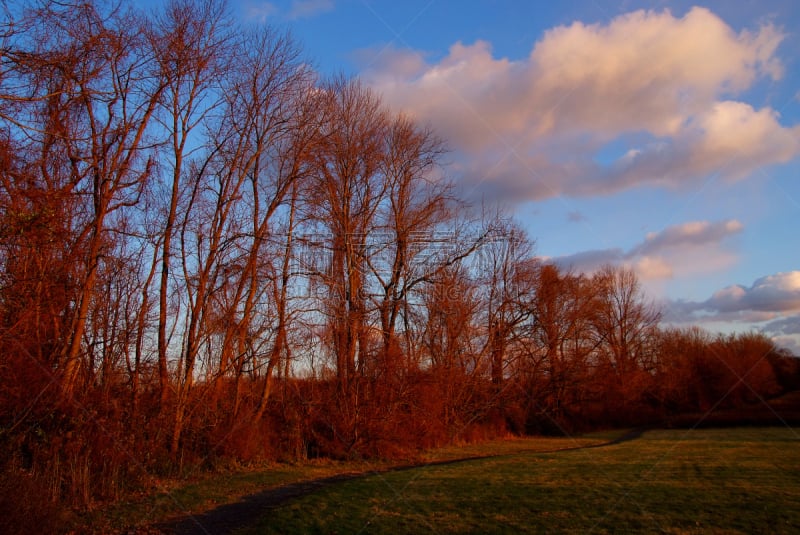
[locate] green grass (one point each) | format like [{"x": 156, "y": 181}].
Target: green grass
[
  {"x": 677, "y": 481},
  {"x": 176, "y": 498},
  {"x": 205, "y": 491}
]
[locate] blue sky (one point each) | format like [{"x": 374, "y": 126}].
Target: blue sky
[{"x": 663, "y": 135}]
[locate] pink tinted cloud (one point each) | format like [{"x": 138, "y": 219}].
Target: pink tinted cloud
[
  {"x": 774, "y": 293},
  {"x": 531, "y": 128},
  {"x": 689, "y": 248},
  {"x": 774, "y": 297},
  {"x": 772, "y": 301}
]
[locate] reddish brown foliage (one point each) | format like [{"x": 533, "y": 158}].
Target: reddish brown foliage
[{"x": 208, "y": 255}]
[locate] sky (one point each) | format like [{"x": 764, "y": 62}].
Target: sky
[{"x": 659, "y": 135}]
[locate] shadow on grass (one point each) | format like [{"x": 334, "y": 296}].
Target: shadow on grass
[{"x": 233, "y": 516}]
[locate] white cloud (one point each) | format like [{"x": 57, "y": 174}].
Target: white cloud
[
  {"x": 792, "y": 343},
  {"x": 728, "y": 299},
  {"x": 772, "y": 298},
  {"x": 772, "y": 302},
  {"x": 301, "y": 9},
  {"x": 395, "y": 65},
  {"x": 784, "y": 326},
  {"x": 785, "y": 332},
  {"x": 774, "y": 293},
  {"x": 653, "y": 268},
  {"x": 260, "y": 11},
  {"x": 530, "y": 128},
  {"x": 689, "y": 248},
  {"x": 691, "y": 234},
  {"x": 590, "y": 261}
]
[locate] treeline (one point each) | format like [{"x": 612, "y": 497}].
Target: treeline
[{"x": 210, "y": 253}]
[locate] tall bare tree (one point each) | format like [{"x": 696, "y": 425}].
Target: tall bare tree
[
  {"x": 509, "y": 287},
  {"x": 626, "y": 319},
  {"x": 191, "y": 41},
  {"x": 91, "y": 96},
  {"x": 345, "y": 192},
  {"x": 265, "y": 139},
  {"x": 563, "y": 339},
  {"x": 416, "y": 204},
  {"x": 626, "y": 326}
]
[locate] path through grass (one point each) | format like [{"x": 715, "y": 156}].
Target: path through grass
[
  {"x": 190, "y": 500},
  {"x": 678, "y": 481}
]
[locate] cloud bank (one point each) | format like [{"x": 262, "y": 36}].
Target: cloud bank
[
  {"x": 540, "y": 126},
  {"x": 779, "y": 293},
  {"x": 771, "y": 302},
  {"x": 262, "y": 11},
  {"x": 689, "y": 248},
  {"x": 301, "y": 9}
]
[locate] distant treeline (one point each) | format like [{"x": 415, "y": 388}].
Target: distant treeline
[{"x": 210, "y": 254}]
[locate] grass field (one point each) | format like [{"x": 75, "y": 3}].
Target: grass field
[
  {"x": 205, "y": 491},
  {"x": 744, "y": 480}
]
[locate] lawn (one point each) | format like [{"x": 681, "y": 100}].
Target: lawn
[
  {"x": 204, "y": 491},
  {"x": 744, "y": 480}
]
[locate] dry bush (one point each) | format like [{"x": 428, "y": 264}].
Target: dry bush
[{"x": 26, "y": 504}]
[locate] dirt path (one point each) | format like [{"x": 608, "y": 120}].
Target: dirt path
[{"x": 227, "y": 518}]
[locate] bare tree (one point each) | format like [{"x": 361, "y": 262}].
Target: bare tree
[
  {"x": 416, "y": 204},
  {"x": 451, "y": 318},
  {"x": 626, "y": 325},
  {"x": 509, "y": 288},
  {"x": 562, "y": 339},
  {"x": 625, "y": 320},
  {"x": 190, "y": 40},
  {"x": 91, "y": 96},
  {"x": 345, "y": 193},
  {"x": 268, "y": 130}
]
